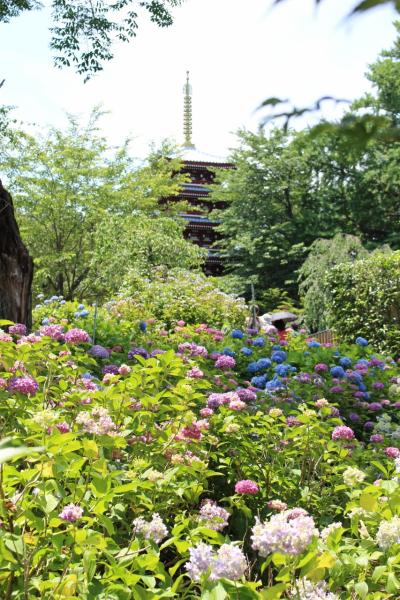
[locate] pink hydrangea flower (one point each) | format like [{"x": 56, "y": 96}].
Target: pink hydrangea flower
[
  {"x": 246, "y": 486},
  {"x": 195, "y": 373},
  {"x": 204, "y": 412},
  {"x": 124, "y": 369},
  {"x": 4, "y": 337},
  {"x": 23, "y": 385},
  {"x": 277, "y": 505},
  {"x": 392, "y": 452},
  {"x": 342, "y": 432},
  {"x": 17, "y": 329},
  {"x": 76, "y": 336},
  {"x": 71, "y": 513},
  {"x": 55, "y": 332},
  {"x": 3, "y": 383},
  {"x": 63, "y": 427},
  {"x": 225, "y": 362}
]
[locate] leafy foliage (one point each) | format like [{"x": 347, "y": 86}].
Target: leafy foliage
[
  {"x": 323, "y": 255},
  {"x": 88, "y": 213},
  {"x": 171, "y": 295},
  {"x": 84, "y": 32},
  {"x": 364, "y": 298},
  {"x": 122, "y": 439}
]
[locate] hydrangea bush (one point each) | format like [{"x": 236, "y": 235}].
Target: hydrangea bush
[{"x": 188, "y": 462}]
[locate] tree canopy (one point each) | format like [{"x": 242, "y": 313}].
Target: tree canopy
[
  {"x": 88, "y": 213},
  {"x": 83, "y": 32}
]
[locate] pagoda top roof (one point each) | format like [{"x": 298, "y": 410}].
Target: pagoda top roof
[{"x": 190, "y": 154}]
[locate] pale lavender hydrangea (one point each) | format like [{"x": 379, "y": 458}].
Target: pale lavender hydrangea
[
  {"x": 284, "y": 533},
  {"x": 201, "y": 559},
  {"x": 304, "y": 589},
  {"x": 76, "y": 336},
  {"x": 155, "y": 529},
  {"x": 213, "y": 516},
  {"x": 97, "y": 422},
  {"x": 228, "y": 562},
  {"x": 192, "y": 349},
  {"x": 71, "y": 512}
]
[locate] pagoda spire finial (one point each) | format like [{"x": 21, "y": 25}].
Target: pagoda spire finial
[{"x": 187, "y": 114}]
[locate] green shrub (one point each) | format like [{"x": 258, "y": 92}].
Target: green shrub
[
  {"x": 173, "y": 295},
  {"x": 364, "y": 299}
]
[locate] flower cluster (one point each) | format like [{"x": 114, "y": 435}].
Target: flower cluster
[
  {"x": 213, "y": 516},
  {"x": 352, "y": 476},
  {"x": 246, "y": 486},
  {"x": 155, "y": 529},
  {"x": 288, "y": 532},
  {"x": 388, "y": 533},
  {"x": 71, "y": 512},
  {"x": 23, "y": 385},
  {"x": 228, "y": 562},
  {"x": 55, "y": 332},
  {"x": 17, "y": 329},
  {"x": 342, "y": 432},
  {"x": 304, "y": 589},
  {"x": 98, "y": 422},
  {"x": 76, "y": 336}
]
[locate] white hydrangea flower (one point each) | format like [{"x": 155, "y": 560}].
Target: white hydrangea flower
[
  {"x": 352, "y": 476},
  {"x": 388, "y": 533}
]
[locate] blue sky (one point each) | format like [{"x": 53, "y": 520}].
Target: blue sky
[{"x": 239, "y": 52}]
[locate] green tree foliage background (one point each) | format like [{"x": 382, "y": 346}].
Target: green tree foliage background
[
  {"x": 291, "y": 188},
  {"x": 88, "y": 212}
]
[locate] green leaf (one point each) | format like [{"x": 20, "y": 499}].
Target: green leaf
[
  {"x": 8, "y": 454},
  {"x": 361, "y": 589}
]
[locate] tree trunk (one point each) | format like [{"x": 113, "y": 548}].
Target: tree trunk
[{"x": 16, "y": 267}]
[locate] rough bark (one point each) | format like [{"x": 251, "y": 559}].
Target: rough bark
[{"x": 16, "y": 267}]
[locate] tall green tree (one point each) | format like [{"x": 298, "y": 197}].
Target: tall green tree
[{"x": 85, "y": 208}]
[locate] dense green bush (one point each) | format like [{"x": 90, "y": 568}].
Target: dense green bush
[
  {"x": 173, "y": 295},
  {"x": 364, "y": 299},
  {"x": 323, "y": 255}
]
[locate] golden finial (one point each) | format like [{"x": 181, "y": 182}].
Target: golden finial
[{"x": 187, "y": 114}]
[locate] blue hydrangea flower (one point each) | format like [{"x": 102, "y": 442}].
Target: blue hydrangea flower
[
  {"x": 228, "y": 352},
  {"x": 282, "y": 370},
  {"x": 81, "y": 306},
  {"x": 345, "y": 362},
  {"x": 45, "y": 321},
  {"x": 274, "y": 384},
  {"x": 361, "y": 341},
  {"x": 276, "y": 347},
  {"x": 263, "y": 363},
  {"x": 237, "y": 334},
  {"x": 259, "y": 342},
  {"x": 143, "y": 326},
  {"x": 313, "y": 344},
  {"x": 259, "y": 382},
  {"x": 279, "y": 356},
  {"x": 338, "y": 372},
  {"x": 246, "y": 351},
  {"x": 362, "y": 387},
  {"x": 252, "y": 367},
  {"x": 84, "y": 313}
]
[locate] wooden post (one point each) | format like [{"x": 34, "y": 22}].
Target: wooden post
[{"x": 16, "y": 267}]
